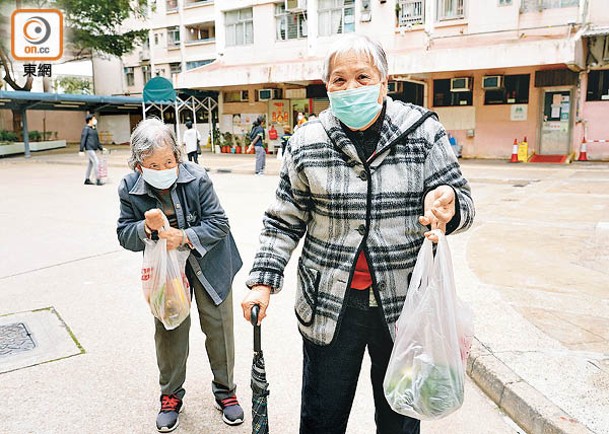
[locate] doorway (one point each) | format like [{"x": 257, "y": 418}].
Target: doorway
[{"x": 556, "y": 114}]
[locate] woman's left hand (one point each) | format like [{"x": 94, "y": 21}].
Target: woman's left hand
[
  {"x": 439, "y": 210},
  {"x": 173, "y": 237}
]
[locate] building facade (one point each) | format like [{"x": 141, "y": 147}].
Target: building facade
[{"x": 493, "y": 70}]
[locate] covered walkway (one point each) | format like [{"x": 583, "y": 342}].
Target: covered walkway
[{"x": 22, "y": 101}]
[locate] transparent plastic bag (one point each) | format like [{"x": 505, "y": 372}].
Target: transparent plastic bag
[
  {"x": 426, "y": 372},
  {"x": 164, "y": 283}
]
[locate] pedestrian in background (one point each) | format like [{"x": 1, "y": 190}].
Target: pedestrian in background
[
  {"x": 192, "y": 139},
  {"x": 257, "y": 137},
  {"x": 89, "y": 143},
  {"x": 301, "y": 119},
  {"x": 161, "y": 186},
  {"x": 363, "y": 185},
  {"x": 285, "y": 138}
]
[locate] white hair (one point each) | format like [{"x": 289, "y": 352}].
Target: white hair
[
  {"x": 360, "y": 45},
  {"x": 150, "y": 135}
]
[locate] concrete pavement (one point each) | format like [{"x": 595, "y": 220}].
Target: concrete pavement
[{"x": 533, "y": 268}]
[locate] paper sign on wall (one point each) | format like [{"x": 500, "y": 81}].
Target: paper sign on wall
[{"x": 518, "y": 112}]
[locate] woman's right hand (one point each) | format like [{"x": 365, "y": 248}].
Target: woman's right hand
[
  {"x": 155, "y": 219},
  {"x": 260, "y": 295}
]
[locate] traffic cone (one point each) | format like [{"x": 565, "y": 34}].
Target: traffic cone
[
  {"x": 583, "y": 155},
  {"x": 514, "y": 158}
]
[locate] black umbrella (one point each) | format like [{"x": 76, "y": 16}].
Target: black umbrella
[{"x": 260, "y": 387}]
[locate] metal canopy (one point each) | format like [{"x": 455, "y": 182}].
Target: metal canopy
[
  {"x": 159, "y": 94},
  {"x": 21, "y": 100}
]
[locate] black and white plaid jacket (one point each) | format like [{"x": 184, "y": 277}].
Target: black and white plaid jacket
[{"x": 328, "y": 196}]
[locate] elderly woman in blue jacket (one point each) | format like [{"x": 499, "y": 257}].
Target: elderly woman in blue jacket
[
  {"x": 162, "y": 187},
  {"x": 363, "y": 184}
]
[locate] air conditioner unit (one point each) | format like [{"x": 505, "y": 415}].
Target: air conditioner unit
[
  {"x": 492, "y": 82},
  {"x": 394, "y": 87},
  {"x": 460, "y": 84},
  {"x": 295, "y": 6},
  {"x": 268, "y": 94}
]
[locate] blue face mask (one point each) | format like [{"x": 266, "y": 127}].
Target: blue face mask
[
  {"x": 356, "y": 107},
  {"x": 160, "y": 179}
]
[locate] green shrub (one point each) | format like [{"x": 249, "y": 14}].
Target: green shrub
[
  {"x": 7, "y": 136},
  {"x": 34, "y": 135}
]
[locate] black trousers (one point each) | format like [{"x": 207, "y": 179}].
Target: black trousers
[
  {"x": 330, "y": 375},
  {"x": 193, "y": 156}
]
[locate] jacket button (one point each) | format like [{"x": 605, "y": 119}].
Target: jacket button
[
  {"x": 361, "y": 229},
  {"x": 363, "y": 175},
  {"x": 382, "y": 286},
  {"x": 177, "y": 205}
]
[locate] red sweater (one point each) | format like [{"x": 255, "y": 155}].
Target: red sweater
[{"x": 361, "y": 276}]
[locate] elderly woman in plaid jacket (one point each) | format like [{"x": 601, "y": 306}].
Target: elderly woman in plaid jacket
[{"x": 363, "y": 185}]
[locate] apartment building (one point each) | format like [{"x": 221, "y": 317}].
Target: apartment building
[{"x": 493, "y": 70}]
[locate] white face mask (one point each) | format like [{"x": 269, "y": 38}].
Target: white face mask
[
  {"x": 94, "y": 122},
  {"x": 160, "y": 179}
]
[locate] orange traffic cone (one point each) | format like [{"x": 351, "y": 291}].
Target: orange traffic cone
[
  {"x": 583, "y": 155},
  {"x": 514, "y": 158}
]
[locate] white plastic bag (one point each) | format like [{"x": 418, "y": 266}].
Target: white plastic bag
[
  {"x": 164, "y": 283},
  {"x": 426, "y": 371}
]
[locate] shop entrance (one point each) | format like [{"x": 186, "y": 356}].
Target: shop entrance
[{"x": 556, "y": 121}]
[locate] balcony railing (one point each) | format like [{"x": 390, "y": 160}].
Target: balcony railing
[
  {"x": 200, "y": 41},
  {"x": 197, "y": 2},
  {"x": 410, "y": 12}
]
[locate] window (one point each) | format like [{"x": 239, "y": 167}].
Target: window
[
  {"x": 172, "y": 5},
  {"x": 146, "y": 73},
  {"x": 129, "y": 75},
  {"x": 410, "y": 12},
  {"x": 514, "y": 91},
  {"x": 173, "y": 36},
  {"x": 239, "y": 27},
  {"x": 175, "y": 68},
  {"x": 538, "y": 5},
  {"x": 289, "y": 25},
  {"x": 196, "y": 63},
  {"x": 156, "y": 39},
  {"x": 336, "y": 17},
  {"x": 451, "y": 9},
  {"x": 443, "y": 97},
  {"x": 598, "y": 85},
  {"x": 505, "y": 2}
]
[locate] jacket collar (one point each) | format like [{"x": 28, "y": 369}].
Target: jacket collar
[
  {"x": 141, "y": 187},
  {"x": 398, "y": 118}
]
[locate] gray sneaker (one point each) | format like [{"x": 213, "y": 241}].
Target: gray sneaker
[
  {"x": 168, "y": 418},
  {"x": 232, "y": 413}
]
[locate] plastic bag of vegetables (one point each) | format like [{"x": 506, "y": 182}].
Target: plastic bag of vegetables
[
  {"x": 426, "y": 371},
  {"x": 164, "y": 283}
]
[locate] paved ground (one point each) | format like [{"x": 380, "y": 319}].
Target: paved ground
[{"x": 533, "y": 268}]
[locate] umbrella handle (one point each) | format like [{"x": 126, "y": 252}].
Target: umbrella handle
[
  {"x": 254, "y": 320},
  {"x": 254, "y": 316}
]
